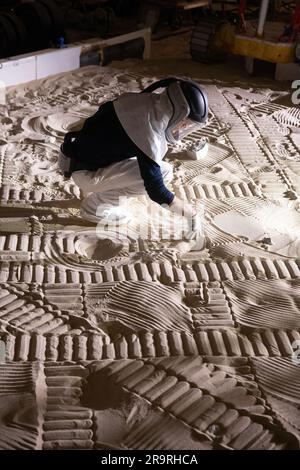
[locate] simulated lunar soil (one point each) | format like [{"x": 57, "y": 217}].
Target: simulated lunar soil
[{"x": 117, "y": 340}]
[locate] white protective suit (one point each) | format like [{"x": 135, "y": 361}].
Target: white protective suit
[
  {"x": 104, "y": 188},
  {"x": 144, "y": 117}
]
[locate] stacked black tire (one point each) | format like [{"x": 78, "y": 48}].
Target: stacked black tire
[
  {"x": 13, "y": 35},
  {"x": 32, "y": 26}
]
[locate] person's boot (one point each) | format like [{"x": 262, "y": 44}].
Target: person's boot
[{"x": 113, "y": 215}]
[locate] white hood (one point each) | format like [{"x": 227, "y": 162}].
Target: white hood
[{"x": 145, "y": 117}]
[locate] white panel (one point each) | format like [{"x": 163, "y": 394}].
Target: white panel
[
  {"x": 93, "y": 43},
  {"x": 54, "y": 61},
  {"x": 17, "y": 70}
]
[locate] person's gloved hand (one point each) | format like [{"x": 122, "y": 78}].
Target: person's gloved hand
[
  {"x": 194, "y": 230},
  {"x": 180, "y": 207}
]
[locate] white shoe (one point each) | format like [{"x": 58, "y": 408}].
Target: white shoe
[{"x": 113, "y": 215}]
